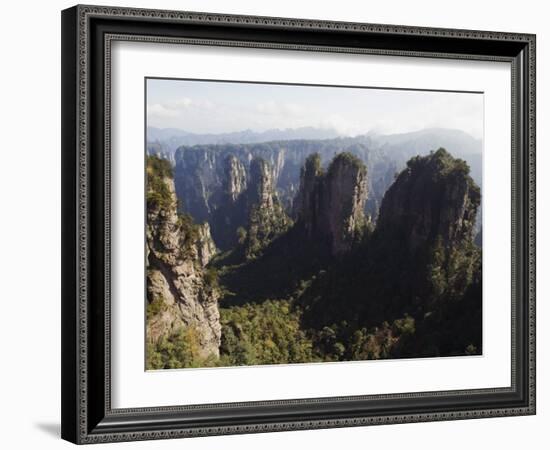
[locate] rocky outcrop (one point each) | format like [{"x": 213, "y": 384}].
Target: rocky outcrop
[
  {"x": 248, "y": 204},
  {"x": 428, "y": 218},
  {"x": 205, "y": 244},
  {"x": 180, "y": 292},
  {"x": 228, "y": 213},
  {"x": 198, "y": 178},
  {"x": 234, "y": 182},
  {"x": 433, "y": 198},
  {"x": 420, "y": 259},
  {"x": 210, "y": 179},
  {"x": 261, "y": 190},
  {"x": 266, "y": 216},
  {"x": 330, "y": 206},
  {"x": 310, "y": 176},
  {"x": 202, "y": 177}
]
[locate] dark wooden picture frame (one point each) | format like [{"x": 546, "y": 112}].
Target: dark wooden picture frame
[{"x": 87, "y": 33}]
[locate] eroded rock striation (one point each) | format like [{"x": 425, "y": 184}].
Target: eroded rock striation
[
  {"x": 234, "y": 182},
  {"x": 330, "y": 205},
  {"x": 266, "y": 216},
  {"x": 229, "y": 214},
  {"x": 210, "y": 178},
  {"x": 433, "y": 198},
  {"x": 420, "y": 262},
  {"x": 427, "y": 217},
  {"x": 180, "y": 292},
  {"x": 205, "y": 173}
]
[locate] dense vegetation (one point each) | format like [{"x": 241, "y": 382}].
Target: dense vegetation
[
  {"x": 158, "y": 194},
  {"x": 178, "y": 350},
  {"x": 409, "y": 287}
]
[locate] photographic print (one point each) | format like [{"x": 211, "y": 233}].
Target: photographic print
[
  {"x": 310, "y": 201},
  {"x": 309, "y": 224}
]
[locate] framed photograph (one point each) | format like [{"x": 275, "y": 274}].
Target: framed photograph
[{"x": 280, "y": 224}]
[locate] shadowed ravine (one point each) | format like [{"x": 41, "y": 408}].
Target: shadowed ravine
[{"x": 300, "y": 271}]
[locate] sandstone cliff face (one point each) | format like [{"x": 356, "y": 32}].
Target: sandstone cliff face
[
  {"x": 234, "y": 182},
  {"x": 200, "y": 171},
  {"x": 310, "y": 176},
  {"x": 420, "y": 260},
  {"x": 330, "y": 206},
  {"x": 206, "y": 248},
  {"x": 428, "y": 218},
  {"x": 198, "y": 178},
  {"x": 228, "y": 214},
  {"x": 433, "y": 198},
  {"x": 206, "y": 174},
  {"x": 201, "y": 174},
  {"x": 261, "y": 189},
  {"x": 179, "y": 294},
  {"x": 247, "y": 201},
  {"x": 266, "y": 216}
]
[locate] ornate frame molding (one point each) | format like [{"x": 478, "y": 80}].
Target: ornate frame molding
[{"x": 80, "y": 418}]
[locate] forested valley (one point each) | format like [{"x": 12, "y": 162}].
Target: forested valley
[{"x": 308, "y": 251}]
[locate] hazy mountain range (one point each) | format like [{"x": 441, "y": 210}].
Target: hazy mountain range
[
  {"x": 169, "y": 139},
  {"x": 401, "y": 146},
  {"x": 200, "y": 161}
]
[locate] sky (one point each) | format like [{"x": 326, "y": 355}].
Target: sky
[{"x": 219, "y": 107}]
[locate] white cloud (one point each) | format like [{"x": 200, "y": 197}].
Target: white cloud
[
  {"x": 341, "y": 125},
  {"x": 161, "y": 111},
  {"x": 174, "y": 112},
  {"x": 275, "y": 108},
  {"x": 179, "y": 103},
  {"x": 223, "y": 107}
]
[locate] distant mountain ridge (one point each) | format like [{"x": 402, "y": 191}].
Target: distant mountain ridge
[
  {"x": 468, "y": 143},
  {"x": 398, "y": 147},
  {"x": 460, "y": 144},
  {"x": 167, "y": 140}
]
